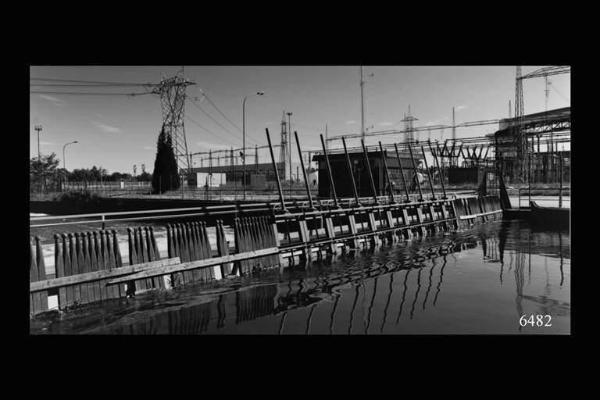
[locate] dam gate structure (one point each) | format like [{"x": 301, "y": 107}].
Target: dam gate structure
[{"x": 89, "y": 266}]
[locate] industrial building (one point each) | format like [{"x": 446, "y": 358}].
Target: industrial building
[
  {"x": 538, "y": 140},
  {"x": 342, "y": 180},
  {"x": 257, "y": 176}
]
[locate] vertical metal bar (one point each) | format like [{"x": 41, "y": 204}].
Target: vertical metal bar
[
  {"x": 387, "y": 172},
  {"x": 402, "y": 173},
  {"x": 529, "y": 173},
  {"x": 335, "y": 200},
  {"x": 349, "y": 165},
  {"x": 439, "y": 171},
  {"x": 276, "y": 172},
  {"x": 560, "y": 171},
  {"x": 428, "y": 174},
  {"x": 415, "y": 168},
  {"x": 452, "y": 152},
  {"x": 366, "y": 156},
  {"x": 310, "y": 200}
]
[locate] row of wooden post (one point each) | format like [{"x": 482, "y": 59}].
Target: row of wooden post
[
  {"x": 77, "y": 253},
  {"x": 255, "y": 233},
  {"x": 189, "y": 241}
]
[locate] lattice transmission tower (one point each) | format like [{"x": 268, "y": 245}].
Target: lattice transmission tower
[
  {"x": 283, "y": 154},
  {"x": 520, "y": 138},
  {"x": 172, "y": 92}
]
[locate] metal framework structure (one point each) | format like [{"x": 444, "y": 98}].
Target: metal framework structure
[
  {"x": 172, "y": 92},
  {"x": 283, "y": 154},
  {"x": 413, "y": 129},
  {"x": 521, "y": 141}
]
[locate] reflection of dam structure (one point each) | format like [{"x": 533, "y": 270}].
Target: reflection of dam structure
[
  {"x": 418, "y": 290},
  {"x": 264, "y": 300}
]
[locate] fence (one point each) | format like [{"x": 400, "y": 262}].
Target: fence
[{"x": 544, "y": 194}]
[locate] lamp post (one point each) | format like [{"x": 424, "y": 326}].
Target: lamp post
[
  {"x": 38, "y": 128},
  {"x": 244, "y": 141},
  {"x": 64, "y": 158}
]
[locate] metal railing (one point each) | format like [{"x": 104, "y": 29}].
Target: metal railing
[
  {"x": 532, "y": 195},
  {"x": 106, "y": 218}
]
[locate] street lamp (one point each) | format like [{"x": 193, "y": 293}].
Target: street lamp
[
  {"x": 244, "y": 140},
  {"x": 64, "y": 158},
  {"x": 38, "y": 128}
]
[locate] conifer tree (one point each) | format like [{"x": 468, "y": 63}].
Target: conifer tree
[{"x": 165, "y": 176}]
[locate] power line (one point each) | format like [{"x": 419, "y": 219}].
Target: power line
[
  {"x": 207, "y": 130},
  {"x": 90, "y": 82},
  {"x": 220, "y": 112},
  {"x": 214, "y": 120},
  {"x": 90, "y": 85},
  {"x": 210, "y": 116},
  {"x": 89, "y": 94}
]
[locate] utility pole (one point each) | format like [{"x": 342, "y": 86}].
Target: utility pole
[
  {"x": 283, "y": 149},
  {"x": 453, "y": 126},
  {"x": 521, "y": 139},
  {"x": 38, "y": 128},
  {"x": 408, "y": 120},
  {"x": 451, "y": 158},
  {"x": 362, "y": 105},
  {"x": 289, "y": 149}
]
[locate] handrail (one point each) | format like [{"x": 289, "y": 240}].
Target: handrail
[
  {"x": 527, "y": 189},
  {"x": 203, "y": 210}
]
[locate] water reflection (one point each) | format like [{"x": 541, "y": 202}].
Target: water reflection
[{"x": 326, "y": 294}]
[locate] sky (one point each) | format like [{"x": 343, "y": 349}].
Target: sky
[{"x": 116, "y": 132}]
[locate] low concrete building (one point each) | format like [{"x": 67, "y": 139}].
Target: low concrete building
[
  {"x": 258, "y": 176},
  {"x": 341, "y": 179}
]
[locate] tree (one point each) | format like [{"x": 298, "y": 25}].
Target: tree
[
  {"x": 165, "y": 176},
  {"x": 44, "y": 170},
  {"x": 46, "y": 165},
  {"x": 144, "y": 177},
  {"x": 117, "y": 176}
]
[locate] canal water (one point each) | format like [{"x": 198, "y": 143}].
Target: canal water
[{"x": 490, "y": 279}]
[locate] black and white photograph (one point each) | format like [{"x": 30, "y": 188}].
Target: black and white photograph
[{"x": 351, "y": 199}]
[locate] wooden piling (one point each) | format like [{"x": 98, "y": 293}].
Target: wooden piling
[
  {"x": 415, "y": 169},
  {"x": 370, "y": 173},
  {"x": 276, "y": 171},
  {"x": 387, "y": 173},
  {"x": 329, "y": 174},
  {"x": 351, "y": 173},
  {"x": 402, "y": 173}
]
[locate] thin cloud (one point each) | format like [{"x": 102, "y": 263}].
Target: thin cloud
[
  {"x": 54, "y": 100},
  {"x": 106, "y": 128},
  {"x": 350, "y": 122}
]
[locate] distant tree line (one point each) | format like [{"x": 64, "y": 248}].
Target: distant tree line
[{"x": 46, "y": 172}]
